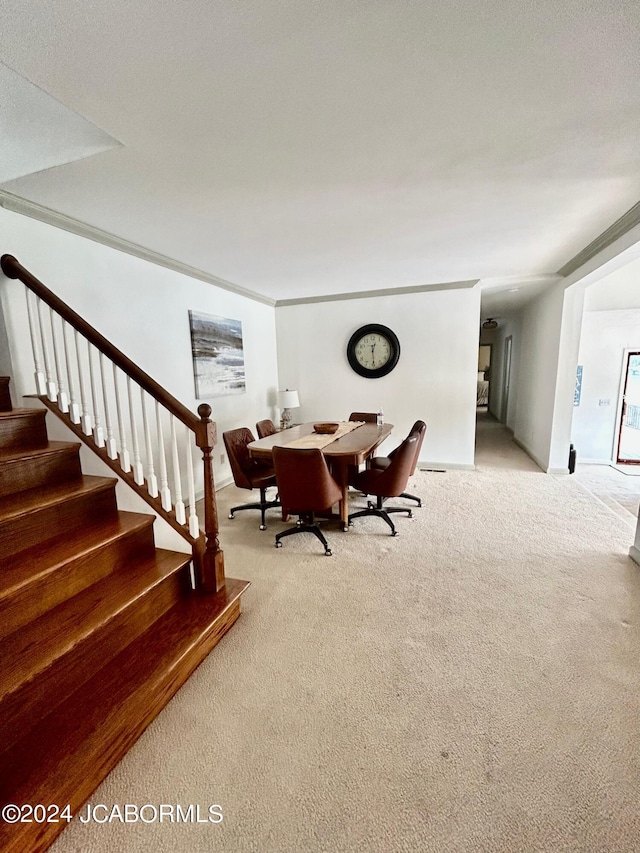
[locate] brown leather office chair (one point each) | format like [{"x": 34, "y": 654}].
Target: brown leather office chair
[
  {"x": 367, "y": 417},
  {"x": 305, "y": 487},
  {"x": 248, "y": 473},
  {"x": 419, "y": 428},
  {"x": 389, "y": 482},
  {"x": 265, "y": 428}
]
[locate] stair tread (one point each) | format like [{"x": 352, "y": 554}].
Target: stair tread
[
  {"x": 32, "y": 500},
  {"x": 21, "y": 413},
  {"x": 92, "y": 725},
  {"x": 34, "y": 648},
  {"x": 49, "y": 449},
  {"x": 32, "y": 564}
]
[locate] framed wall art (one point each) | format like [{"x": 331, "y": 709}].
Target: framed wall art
[{"x": 218, "y": 355}]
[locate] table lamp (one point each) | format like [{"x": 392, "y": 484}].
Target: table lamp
[{"x": 288, "y": 400}]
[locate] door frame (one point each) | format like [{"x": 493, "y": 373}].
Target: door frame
[{"x": 628, "y": 351}]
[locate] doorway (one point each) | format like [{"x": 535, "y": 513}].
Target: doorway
[
  {"x": 484, "y": 375},
  {"x": 628, "y": 452},
  {"x": 506, "y": 379}
]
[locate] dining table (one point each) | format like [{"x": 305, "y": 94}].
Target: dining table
[{"x": 352, "y": 444}]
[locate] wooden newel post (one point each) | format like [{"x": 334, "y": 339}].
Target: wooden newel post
[{"x": 210, "y": 565}]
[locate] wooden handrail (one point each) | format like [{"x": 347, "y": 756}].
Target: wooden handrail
[
  {"x": 12, "y": 268},
  {"x": 208, "y": 558}
]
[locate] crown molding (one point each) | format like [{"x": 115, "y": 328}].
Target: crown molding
[
  {"x": 620, "y": 227},
  {"x": 508, "y": 281},
  {"x": 369, "y": 294},
  {"x": 16, "y": 204}
]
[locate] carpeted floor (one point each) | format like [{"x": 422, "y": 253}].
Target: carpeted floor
[{"x": 470, "y": 686}]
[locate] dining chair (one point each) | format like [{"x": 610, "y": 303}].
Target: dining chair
[
  {"x": 389, "y": 482},
  {"x": 367, "y": 417},
  {"x": 419, "y": 428},
  {"x": 305, "y": 486},
  {"x": 265, "y": 428},
  {"x": 248, "y": 473}
]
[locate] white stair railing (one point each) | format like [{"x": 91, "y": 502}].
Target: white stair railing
[{"x": 73, "y": 378}]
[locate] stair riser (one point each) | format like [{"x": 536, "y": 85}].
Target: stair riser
[
  {"x": 75, "y": 773},
  {"x": 32, "y": 472},
  {"x": 38, "y": 526},
  {"x": 24, "y": 430},
  {"x": 72, "y": 577},
  {"x": 21, "y": 709}
]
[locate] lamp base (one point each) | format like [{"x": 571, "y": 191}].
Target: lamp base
[{"x": 285, "y": 420}]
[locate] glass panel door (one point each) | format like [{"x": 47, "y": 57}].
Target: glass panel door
[{"x": 629, "y": 435}]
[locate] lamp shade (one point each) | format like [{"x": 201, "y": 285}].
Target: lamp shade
[{"x": 288, "y": 399}]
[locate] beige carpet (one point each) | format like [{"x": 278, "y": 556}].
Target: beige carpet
[{"x": 471, "y": 685}]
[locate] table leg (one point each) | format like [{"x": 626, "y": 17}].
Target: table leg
[{"x": 341, "y": 476}]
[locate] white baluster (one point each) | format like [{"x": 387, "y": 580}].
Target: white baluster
[
  {"x": 194, "y": 524},
  {"x": 41, "y": 381},
  {"x": 52, "y": 389},
  {"x": 98, "y": 432},
  {"x": 85, "y": 420},
  {"x": 74, "y": 408},
  {"x": 138, "y": 473},
  {"x": 112, "y": 451},
  {"x": 63, "y": 397},
  {"x": 179, "y": 510},
  {"x": 165, "y": 492},
  {"x": 125, "y": 461},
  {"x": 152, "y": 481}
]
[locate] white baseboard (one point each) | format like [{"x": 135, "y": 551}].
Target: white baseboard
[
  {"x": 594, "y": 461},
  {"x": 531, "y": 454},
  {"x": 221, "y": 484},
  {"x": 444, "y": 466}
]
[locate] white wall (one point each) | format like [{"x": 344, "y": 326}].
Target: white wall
[
  {"x": 537, "y": 373},
  {"x": 620, "y": 289},
  {"x": 143, "y": 309},
  {"x": 605, "y": 336},
  {"x": 435, "y": 379}
]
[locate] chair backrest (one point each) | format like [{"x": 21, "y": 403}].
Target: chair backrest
[
  {"x": 265, "y": 428},
  {"x": 304, "y": 481},
  {"x": 236, "y": 441},
  {"x": 392, "y": 481},
  {"x": 367, "y": 417},
  {"x": 419, "y": 429}
]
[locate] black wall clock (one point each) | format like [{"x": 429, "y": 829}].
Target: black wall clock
[{"x": 373, "y": 351}]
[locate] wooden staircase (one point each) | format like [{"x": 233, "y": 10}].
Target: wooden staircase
[{"x": 98, "y": 627}]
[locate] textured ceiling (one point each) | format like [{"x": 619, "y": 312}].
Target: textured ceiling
[{"x": 300, "y": 149}]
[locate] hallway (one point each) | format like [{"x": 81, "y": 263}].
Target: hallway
[{"x": 495, "y": 448}]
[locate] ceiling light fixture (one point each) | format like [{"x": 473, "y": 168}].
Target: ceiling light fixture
[{"x": 490, "y": 323}]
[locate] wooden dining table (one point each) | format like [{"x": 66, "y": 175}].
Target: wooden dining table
[{"x": 354, "y": 448}]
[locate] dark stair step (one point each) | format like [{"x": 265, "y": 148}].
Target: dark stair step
[
  {"x": 23, "y": 428},
  {"x": 69, "y": 752},
  {"x": 51, "y": 657},
  {"x": 39, "y": 578},
  {"x": 21, "y": 470},
  {"x": 31, "y": 517}
]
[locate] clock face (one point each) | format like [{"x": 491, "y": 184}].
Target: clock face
[{"x": 373, "y": 351}]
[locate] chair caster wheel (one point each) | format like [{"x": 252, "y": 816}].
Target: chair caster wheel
[
  {"x": 409, "y": 515},
  {"x": 231, "y": 515},
  {"x": 419, "y": 503},
  {"x": 278, "y": 544},
  {"x": 395, "y": 533},
  {"x": 370, "y": 505},
  {"x": 345, "y": 527},
  {"x": 263, "y": 527},
  {"x": 327, "y": 553}
]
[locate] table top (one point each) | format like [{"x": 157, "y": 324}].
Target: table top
[{"x": 353, "y": 448}]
